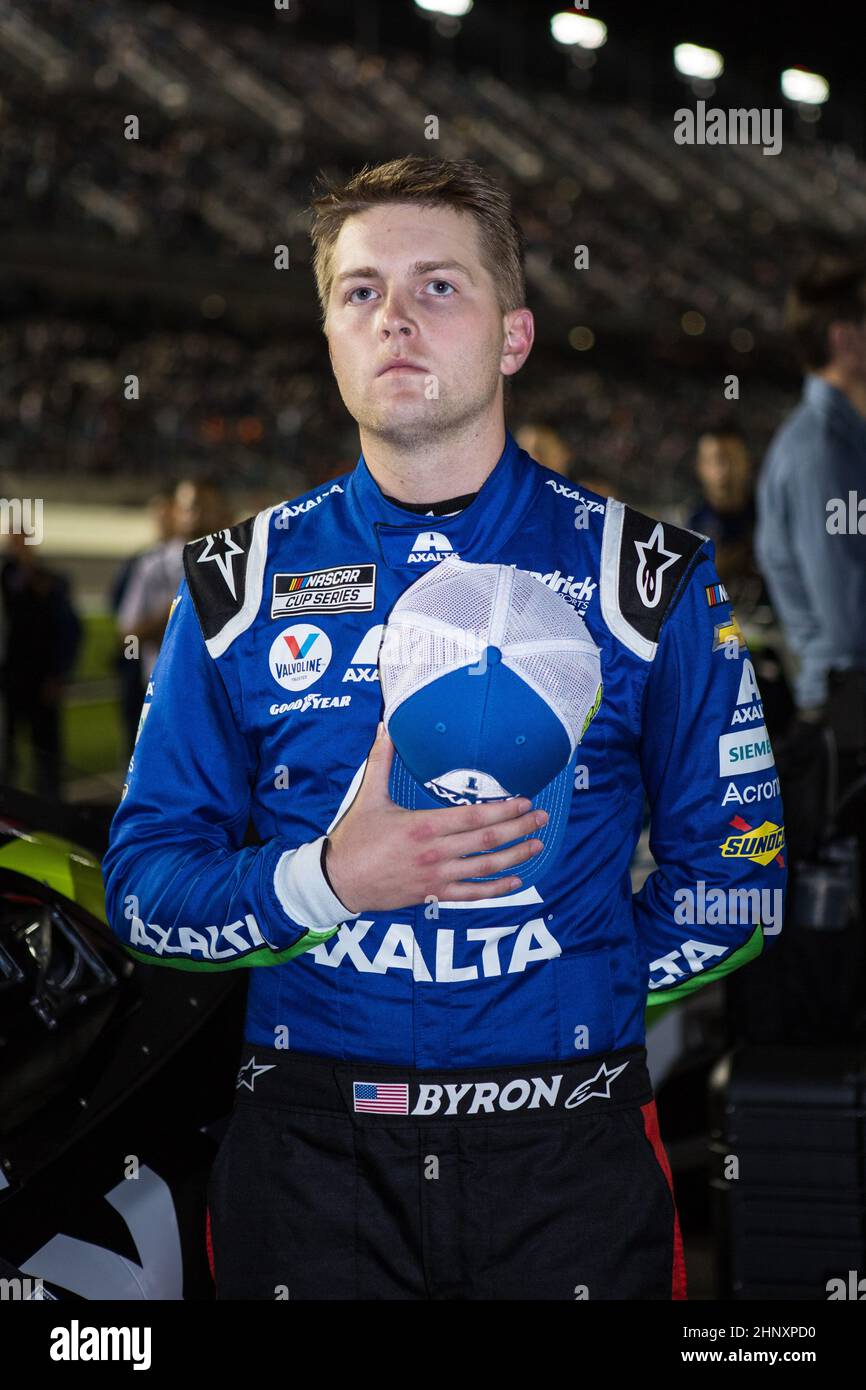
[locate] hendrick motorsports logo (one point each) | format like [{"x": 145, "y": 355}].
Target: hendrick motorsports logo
[
  {"x": 481, "y": 1097},
  {"x": 578, "y": 592},
  {"x": 299, "y": 656},
  {"x": 341, "y": 589},
  {"x": 761, "y": 844}
]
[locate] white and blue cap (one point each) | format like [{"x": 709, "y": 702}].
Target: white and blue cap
[{"x": 489, "y": 681}]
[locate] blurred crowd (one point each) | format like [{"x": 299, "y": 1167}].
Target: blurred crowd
[{"x": 260, "y": 411}]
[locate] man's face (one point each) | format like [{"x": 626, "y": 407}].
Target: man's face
[
  {"x": 197, "y": 511},
  {"x": 725, "y": 471},
  {"x": 847, "y": 343},
  {"x": 397, "y": 295}
]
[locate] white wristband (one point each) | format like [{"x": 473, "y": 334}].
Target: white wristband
[{"x": 303, "y": 891}]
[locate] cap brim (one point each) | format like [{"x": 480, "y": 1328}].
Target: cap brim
[{"x": 555, "y": 799}]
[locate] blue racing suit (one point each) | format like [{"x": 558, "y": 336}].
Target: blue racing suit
[{"x": 262, "y": 708}]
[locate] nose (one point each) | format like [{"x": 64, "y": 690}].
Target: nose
[{"x": 395, "y": 316}]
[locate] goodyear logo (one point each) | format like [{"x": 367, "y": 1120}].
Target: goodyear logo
[{"x": 760, "y": 844}]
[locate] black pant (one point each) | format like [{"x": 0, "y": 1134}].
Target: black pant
[
  {"x": 23, "y": 709},
  {"x": 514, "y": 1196}
]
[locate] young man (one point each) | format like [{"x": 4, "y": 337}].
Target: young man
[
  {"x": 448, "y": 1098},
  {"x": 811, "y": 551}
]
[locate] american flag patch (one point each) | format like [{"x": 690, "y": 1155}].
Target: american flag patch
[
  {"x": 716, "y": 593},
  {"x": 381, "y": 1098}
]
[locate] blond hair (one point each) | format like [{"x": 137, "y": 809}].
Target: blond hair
[{"x": 458, "y": 184}]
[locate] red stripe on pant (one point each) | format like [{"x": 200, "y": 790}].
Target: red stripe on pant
[
  {"x": 651, "y": 1128},
  {"x": 209, "y": 1243}
]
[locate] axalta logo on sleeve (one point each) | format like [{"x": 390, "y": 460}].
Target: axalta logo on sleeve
[
  {"x": 210, "y": 943},
  {"x": 749, "y": 751},
  {"x": 401, "y": 950},
  {"x": 749, "y": 706},
  {"x": 691, "y": 958},
  {"x": 429, "y": 546},
  {"x": 575, "y": 495},
  {"x": 284, "y": 513}
]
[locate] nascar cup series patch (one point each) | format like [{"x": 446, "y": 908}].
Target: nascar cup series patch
[{"x": 338, "y": 589}]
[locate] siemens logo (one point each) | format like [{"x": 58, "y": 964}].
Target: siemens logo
[{"x": 745, "y": 752}]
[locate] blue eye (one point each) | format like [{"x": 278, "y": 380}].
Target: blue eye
[
  {"x": 446, "y": 283},
  {"x": 359, "y": 290}
]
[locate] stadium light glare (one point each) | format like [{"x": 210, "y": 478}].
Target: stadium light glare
[
  {"x": 581, "y": 29},
  {"x": 693, "y": 61},
  {"x": 454, "y": 9},
  {"x": 806, "y": 88}
]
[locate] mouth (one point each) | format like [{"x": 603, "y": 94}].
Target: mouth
[{"x": 400, "y": 367}]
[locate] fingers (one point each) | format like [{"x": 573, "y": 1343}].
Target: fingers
[
  {"x": 462, "y": 892},
  {"x": 378, "y": 770},
  {"x": 493, "y": 863},
  {"x": 454, "y": 820},
  {"x": 472, "y": 841}
]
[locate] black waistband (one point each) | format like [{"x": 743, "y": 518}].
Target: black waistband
[{"x": 370, "y": 1092}]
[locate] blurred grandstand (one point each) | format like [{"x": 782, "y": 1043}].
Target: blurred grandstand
[{"x": 154, "y": 258}]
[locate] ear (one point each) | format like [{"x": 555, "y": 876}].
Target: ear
[{"x": 519, "y": 335}]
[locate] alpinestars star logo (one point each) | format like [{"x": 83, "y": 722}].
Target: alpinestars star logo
[
  {"x": 587, "y": 1089},
  {"x": 222, "y": 548},
  {"x": 253, "y": 1070},
  {"x": 654, "y": 560}
]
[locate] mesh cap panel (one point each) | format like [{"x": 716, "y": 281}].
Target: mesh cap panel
[{"x": 447, "y": 618}]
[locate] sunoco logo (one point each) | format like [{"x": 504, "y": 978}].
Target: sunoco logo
[
  {"x": 761, "y": 844},
  {"x": 299, "y": 656}
]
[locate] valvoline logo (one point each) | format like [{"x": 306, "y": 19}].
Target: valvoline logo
[{"x": 299, "y": 656}]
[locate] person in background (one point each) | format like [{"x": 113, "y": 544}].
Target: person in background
[
  {"x": 199, "y": 508},
  {"x": 547, "y": 445},
  {"x": 43, "y": 638},
  {"x": 814, "y": 563},
  {"x": 724, "y": 469},
  {"x": 132, "y": 687}
]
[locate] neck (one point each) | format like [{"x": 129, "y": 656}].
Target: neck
[
  {"x": 430, "y": 467},
  {"x": 851, "y": 386}
]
